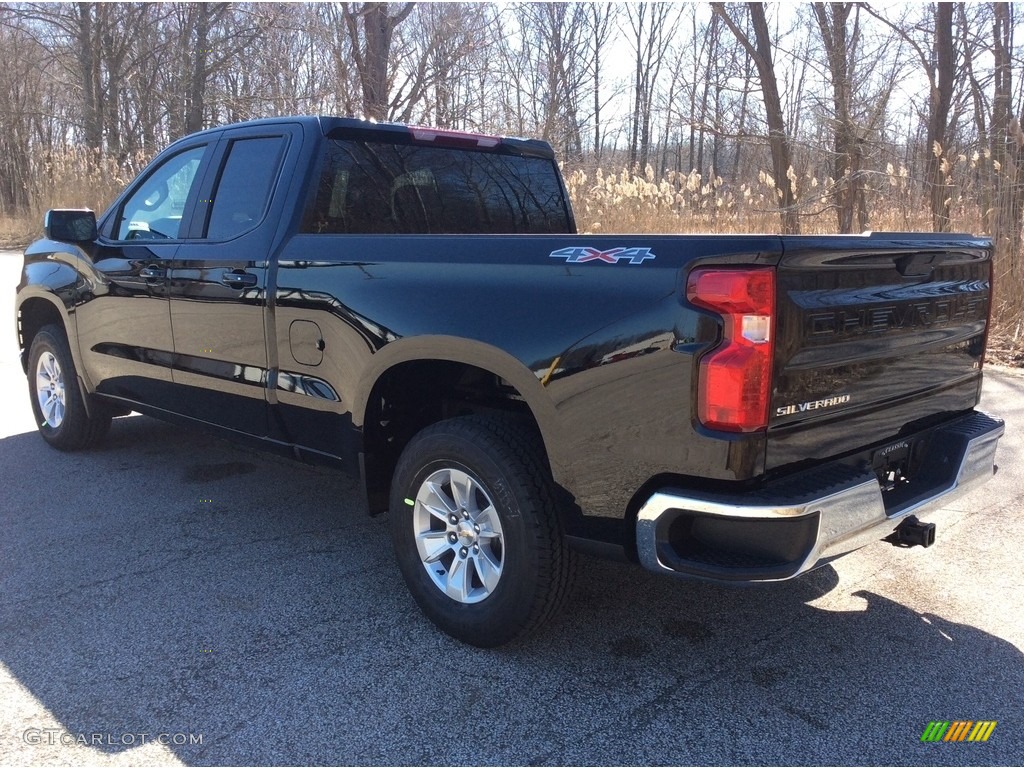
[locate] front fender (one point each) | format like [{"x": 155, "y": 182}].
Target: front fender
[{"x": 50, "y": 274}]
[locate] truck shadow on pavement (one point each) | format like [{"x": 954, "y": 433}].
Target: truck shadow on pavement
[{"x": 172, "y": 583}]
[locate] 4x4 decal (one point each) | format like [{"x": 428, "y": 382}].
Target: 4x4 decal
[{"x": 581, "y": 255}]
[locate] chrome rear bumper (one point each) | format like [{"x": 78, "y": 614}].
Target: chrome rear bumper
[{"x": 797, "y": 524}]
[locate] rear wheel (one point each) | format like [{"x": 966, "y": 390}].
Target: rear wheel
[
  {"x": 475, "y": 530},
  {"x": 56, "y": 399}
]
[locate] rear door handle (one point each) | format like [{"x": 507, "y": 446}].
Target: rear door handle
[
  {"x": 238, "y": 279},
  {"x": 153, "y": 273}
]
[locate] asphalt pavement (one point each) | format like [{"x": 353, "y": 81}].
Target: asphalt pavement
[{"x": 170, "y": 599}]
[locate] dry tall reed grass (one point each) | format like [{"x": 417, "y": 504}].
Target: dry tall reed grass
[
  {"x": 633, "y": 201},
  {"x": 605, "y": 201},
  {"x": 71, "y": 178}
]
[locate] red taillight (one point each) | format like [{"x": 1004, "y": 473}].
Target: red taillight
[{"x": 735, "y": 378}]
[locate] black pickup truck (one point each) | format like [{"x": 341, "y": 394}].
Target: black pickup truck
[{"x": 414, "y": 305}]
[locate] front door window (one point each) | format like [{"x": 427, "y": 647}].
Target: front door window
[{"x": 154, "y": 211}]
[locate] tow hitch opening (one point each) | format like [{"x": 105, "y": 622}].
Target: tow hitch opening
[{"x": 912, "y": 532}]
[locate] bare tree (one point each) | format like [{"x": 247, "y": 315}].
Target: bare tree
[
  {"x": 1007, "y": 150},
  {"x": 558, "y": 34},
  {"x": 445, "y": 35},
  {"x": 937, "y": 57},
  {"x": 371, "y": 27},
  {"x": 840, "y": 49},
  {"x": 710, "y": 86},
  {"x": 100, "y": 35},
  {"x": 434, "y": 57},
  {"x": 20, "y": 105},
  {"x": 649, "y": 24},
  {"x": 516, "y": 78},
  {"x": 938, "y": 114},
  {"x": 760, "y": 50},
  {"x": 86, "y": 33},
  {"x": 334, "y": 34},
  {"x": 601, "y": 23}
]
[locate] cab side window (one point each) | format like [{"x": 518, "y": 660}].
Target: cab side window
[
  {"x": 244, "y": 189},
  {"x": 154, "y": 211}
]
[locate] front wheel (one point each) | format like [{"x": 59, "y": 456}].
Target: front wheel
[
  {"x": 56, "y": 400},
  {"x": 475, "y": 530}
]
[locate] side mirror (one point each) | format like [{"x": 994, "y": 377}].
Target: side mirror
[{"x": 70, "y": 225}]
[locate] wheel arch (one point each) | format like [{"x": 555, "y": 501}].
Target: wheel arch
[
  {"x": 431, "y": 378},
  {"x": 35, "y": 310}
]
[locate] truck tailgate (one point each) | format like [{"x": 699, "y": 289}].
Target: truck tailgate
[{"x": 876, "y": 337}]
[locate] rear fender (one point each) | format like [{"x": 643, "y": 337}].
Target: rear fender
[{"x": 480, "y": 355}]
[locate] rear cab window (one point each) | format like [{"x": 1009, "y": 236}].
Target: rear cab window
[
  {"x": 378, "y": 187},
  {"x": 244, "y": 188}
]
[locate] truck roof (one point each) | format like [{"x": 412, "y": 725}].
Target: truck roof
[{"x": 334, "y": 127}]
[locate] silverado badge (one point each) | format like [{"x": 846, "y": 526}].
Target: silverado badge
[{"x": 813, "y": 405}]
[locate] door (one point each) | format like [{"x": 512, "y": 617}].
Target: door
[
  {"x": 123, "y": 318},
  {"x": 218, "y": 282}
]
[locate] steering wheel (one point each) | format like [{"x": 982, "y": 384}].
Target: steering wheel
[{"x": 146, "y": 234}]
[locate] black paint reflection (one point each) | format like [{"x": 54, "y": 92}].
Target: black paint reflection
[{"x": 306, "y": 385}]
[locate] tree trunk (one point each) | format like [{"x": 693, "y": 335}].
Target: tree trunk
[
  {"x": 638, "y": 85},
  {"x": 1007, "y": 140},
  {"x": 741, "y": 127},
  {"x": 89, "y": 69},
  {"x": 760, "y": 50},
  {"x": 196, "y": 98},
  {"x": 938, "y": 117},
  {"x": 848, "y": 192},
  {"x": 371, "y": 49}
]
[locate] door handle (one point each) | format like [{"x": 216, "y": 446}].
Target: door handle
[
  {"x": 238, "y": 279},
  {"x": 153, "y": 273}
]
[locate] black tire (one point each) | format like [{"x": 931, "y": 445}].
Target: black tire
[
  {"x": 504, "y": 462},
  {"x": 75, "y": 428}
]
